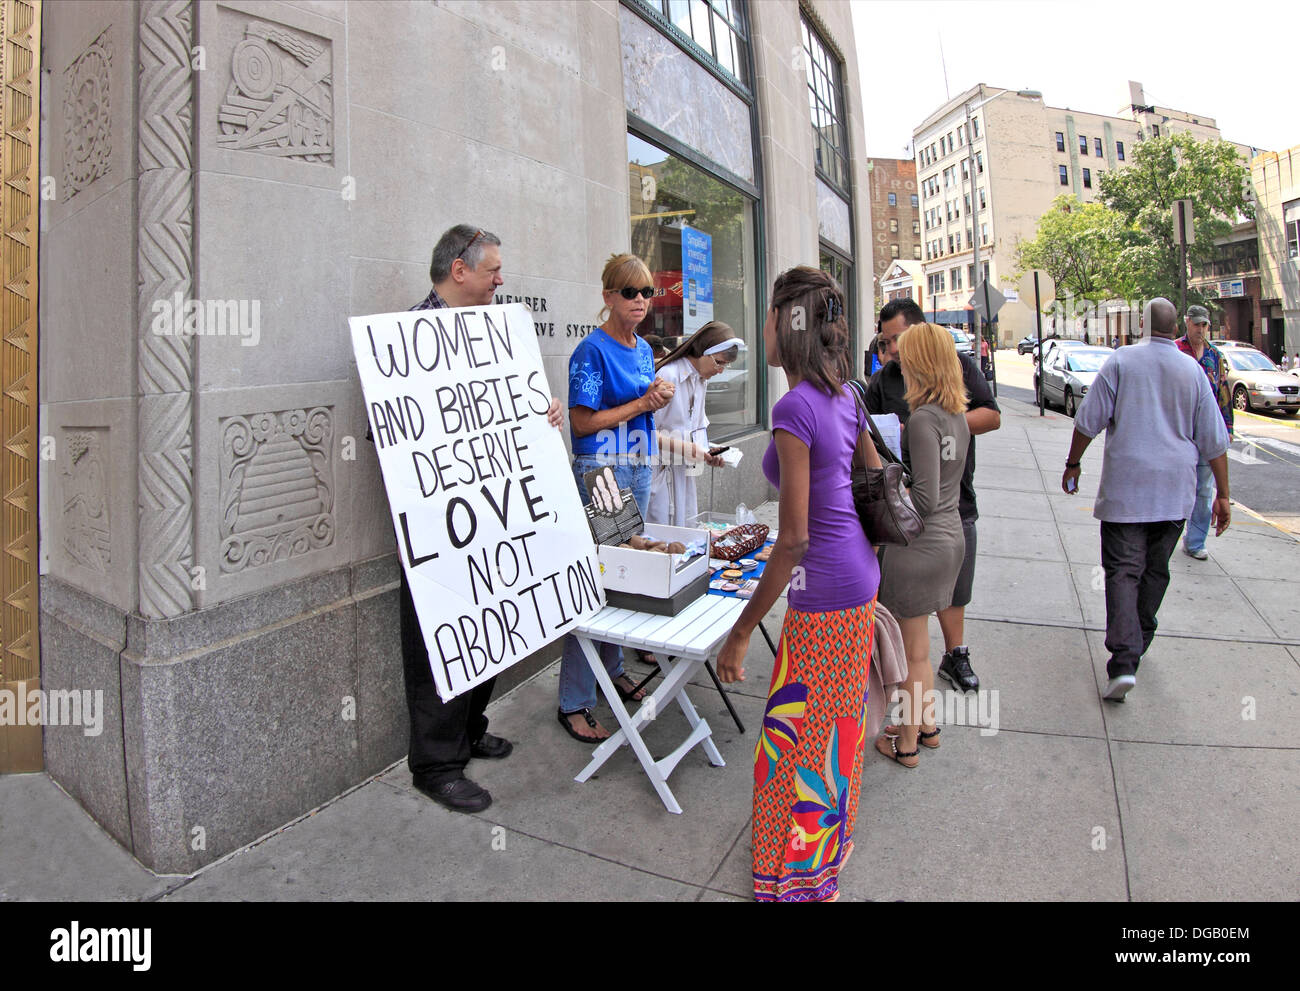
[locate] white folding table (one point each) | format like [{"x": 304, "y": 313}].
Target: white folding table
[{"x": 691, "y": 637}]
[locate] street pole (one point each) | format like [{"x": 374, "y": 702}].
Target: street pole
[
  {"x": 1182, "y": 257},
  {"x": 1038, "y": 315},
  {"x": 989, "y": 329},
  {"x": 975, "y": 215}
]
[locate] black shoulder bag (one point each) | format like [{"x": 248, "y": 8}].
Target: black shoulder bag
[{"x": 880, "y": 494}]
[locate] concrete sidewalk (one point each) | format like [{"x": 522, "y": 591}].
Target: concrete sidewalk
[{"x": 1187, "y": 791}]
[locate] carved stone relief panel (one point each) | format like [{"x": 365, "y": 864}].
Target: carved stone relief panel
[
  {"x": 273, "y": 102},
  {"x": 280, "y": 99},
  {"x": 273, "y": 486},
  {"x": 86, "y": 492},
  {"x": 86, "y": 523},
  {"x": 277, "y": 486},
  {"x": 87, "y": 139}
]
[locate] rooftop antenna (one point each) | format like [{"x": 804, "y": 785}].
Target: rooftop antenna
[{"x": 944, "y": 62}]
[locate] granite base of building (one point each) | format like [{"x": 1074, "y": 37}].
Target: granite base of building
[
  {"x": 208, "y": 731},
  {"x": 197, "y": 735}
]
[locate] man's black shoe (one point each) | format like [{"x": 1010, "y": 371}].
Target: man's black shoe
[
  {"x": 955, "y": 669},
  {"x": 459, "y": 795},
  {"x": 490, "y": 747}
]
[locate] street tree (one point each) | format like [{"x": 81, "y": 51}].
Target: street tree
[
  {"x": 1177, "y": 166},
  {"x": 1078, "y": 245}
]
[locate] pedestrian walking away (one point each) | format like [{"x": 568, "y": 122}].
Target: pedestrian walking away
[
  {"x": 1196, "y": 343},
  {"x": 1160, "y": 419}
]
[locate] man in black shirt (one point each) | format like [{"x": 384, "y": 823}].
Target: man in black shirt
[{"x": 885, "y": 395}]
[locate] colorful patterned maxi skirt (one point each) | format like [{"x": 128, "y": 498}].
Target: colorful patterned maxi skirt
[{"x": 808, "y": 761}]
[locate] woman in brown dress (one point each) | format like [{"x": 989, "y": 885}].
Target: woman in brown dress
[{"x": 918, "y": 579}]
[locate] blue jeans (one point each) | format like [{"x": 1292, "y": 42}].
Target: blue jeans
[
  {"x": 1198, "y": 524},
  {"x": 577, "y": 681}
]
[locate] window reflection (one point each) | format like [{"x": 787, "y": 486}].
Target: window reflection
[{"x": 670, "y": 201}]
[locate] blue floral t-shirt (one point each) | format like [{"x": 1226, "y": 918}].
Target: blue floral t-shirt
[{"x": 604, "y": 374}]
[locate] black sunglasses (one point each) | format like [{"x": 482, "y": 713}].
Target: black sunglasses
[{"x": 628, "y": 292}]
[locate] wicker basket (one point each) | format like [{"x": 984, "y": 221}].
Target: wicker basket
[{"x": 744, "y": 539}]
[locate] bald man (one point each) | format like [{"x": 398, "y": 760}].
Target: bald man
[{"x": 1161, "y": 419}]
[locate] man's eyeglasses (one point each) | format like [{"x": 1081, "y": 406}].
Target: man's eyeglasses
[
  {"x": 476, "y": 236},
  {"x": 628, "y": 292}
]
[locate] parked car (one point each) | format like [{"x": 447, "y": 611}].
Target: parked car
[
  {"x": 1028, "y": 344},
  {"x": 725, "y": 392},
  {"x": 961, "y": 342},
  {"x": 1053, "y": 347},
  {"x": 1068, "y": 374},
  {"x": 1256, "y": 382}
]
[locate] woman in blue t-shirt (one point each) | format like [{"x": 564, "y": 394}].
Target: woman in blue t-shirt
[{"x": 613, "y": 395}]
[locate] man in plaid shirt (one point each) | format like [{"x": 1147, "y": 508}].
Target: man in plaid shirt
[
  {"x": 465, "y": 271},
  {"x": 1196, "y": 343}
]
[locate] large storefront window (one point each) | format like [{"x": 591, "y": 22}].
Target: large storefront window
[{"x": 696, "y": 234}]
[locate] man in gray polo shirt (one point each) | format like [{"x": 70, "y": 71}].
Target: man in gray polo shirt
[{"x": 1161, "y": 419}]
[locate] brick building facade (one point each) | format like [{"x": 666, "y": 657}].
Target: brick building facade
[{"x": 895, "y": 217}]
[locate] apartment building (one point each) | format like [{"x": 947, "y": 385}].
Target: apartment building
[
  {"x": 1232, "y": 274},
  {"x": 895, "y": 217},
  {"x": 1276, "y": 179},
  {"x": 989, "y": 163}
]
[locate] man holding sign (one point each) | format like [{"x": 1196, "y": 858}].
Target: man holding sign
[{"x": 465, "y": 271}]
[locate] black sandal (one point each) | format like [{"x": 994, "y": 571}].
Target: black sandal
[
  {"x": 921, "y": 736},
  {"x": 563, "y": 717},
  {"x": 897, "y": 754},
  {"x": 627, "y": 696}
]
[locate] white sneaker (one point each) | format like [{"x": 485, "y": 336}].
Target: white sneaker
[
  {"x": 1118, "y": 687},
  {"x": 1200, "y": 555}
]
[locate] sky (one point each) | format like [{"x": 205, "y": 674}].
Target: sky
[{"x": 1208, "y": 58}]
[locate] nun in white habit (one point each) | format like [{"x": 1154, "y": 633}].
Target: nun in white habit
[{"x": 681, "y": 426}]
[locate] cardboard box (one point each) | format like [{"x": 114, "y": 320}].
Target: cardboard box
[
  {"x": 660, "y": 607},
  {"x": 613, "y": 517},
  {"x": 651, "y": 573}
]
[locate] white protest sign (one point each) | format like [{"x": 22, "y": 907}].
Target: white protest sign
[{"x": 490, "y": 528}]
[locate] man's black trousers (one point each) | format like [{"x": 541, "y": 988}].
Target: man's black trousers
[
  {"x": 441, "y": 732},
  {"x": 1135, "y": 558}
]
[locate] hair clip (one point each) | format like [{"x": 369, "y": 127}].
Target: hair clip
[{"x": 834, "y": 309}]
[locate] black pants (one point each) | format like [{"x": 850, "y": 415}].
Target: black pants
[
  {"x": 441, "y": 732},
  {"x": 1135, "y": 558}
]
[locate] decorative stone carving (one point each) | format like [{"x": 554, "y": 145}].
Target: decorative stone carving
[
  {"x": 86, "y": 523},
  {"x": 165, "y": 373},
  {"x": 277, "y": 486},
  {"x": 87, "y": 142},
  {"x": 280, "y": 100}
]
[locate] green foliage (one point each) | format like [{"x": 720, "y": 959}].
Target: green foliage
[
  {"x": 1209, "y": 173},
  {"x": 1079, "y": 246}
]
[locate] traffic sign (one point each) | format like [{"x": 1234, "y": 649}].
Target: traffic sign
[
  {"x": 1182, "y": 211},
  {"x": 995, "y": 300}
]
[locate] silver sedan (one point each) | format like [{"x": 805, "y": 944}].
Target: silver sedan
[{"x": 1068, "y": 374}]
